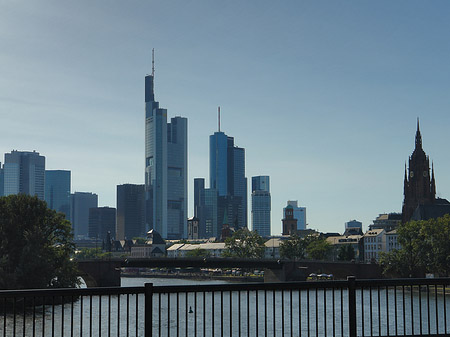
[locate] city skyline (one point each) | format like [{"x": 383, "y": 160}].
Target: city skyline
[{"x": 323, "y": 96}]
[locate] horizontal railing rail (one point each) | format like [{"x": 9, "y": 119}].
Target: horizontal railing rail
[{"x": 388, "y": 307}]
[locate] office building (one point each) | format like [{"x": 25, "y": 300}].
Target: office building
[
  {"x": 353, "y": 227},
  {"x": 227, "y": 177},
  {"x": 57, "y": 191},
  {"x": 24, "y": 172},
  {"x": 2, "y": 180},
  {"x": 199, "y": 206},
  {"x": 101, "y": 221},
  {"x": 165, "y": 168},
  {"x": 80, "y": 203},
  {"x": 261, "y": 205},
  {"x": 299, "y": 214},
  {"x": 130, "y": 211},
  {"x": 212, "y": 227}
]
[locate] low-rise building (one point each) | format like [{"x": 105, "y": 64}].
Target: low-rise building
[
  {"x": 272, "y": 248},
  {"x": 214, "y": 249},
  {"x": 374, "y": 244},
  {"x": 355, "y": 241}
]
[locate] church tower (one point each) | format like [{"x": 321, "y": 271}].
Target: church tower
[{"x": 419, "y": 186}]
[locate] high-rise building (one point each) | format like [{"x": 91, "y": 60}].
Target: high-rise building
[
  {"x": 299, "y": 214},
  {"x": 165, "y": 168},
  {"x": 130, "y": 211},
  {"x": 2, "y": 181},
  {"x": 80, "y": 203},
  {"x": 199, "y": 205},
  {"x": 57, "y": 191},
  {"x": 24, "y": 172},
  {"x": 261, "y": 205},
  {"x": 101, "y": 221},
  {"x": 227, "y": 177},
  {"x": 212, "y": 227}
]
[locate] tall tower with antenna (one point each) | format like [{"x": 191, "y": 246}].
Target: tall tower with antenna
[{"x": 165, "y": 167}]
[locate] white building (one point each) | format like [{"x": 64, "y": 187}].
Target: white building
[
  {"x": 374, "y": 244},
  {"x": 215, "y": 249}
]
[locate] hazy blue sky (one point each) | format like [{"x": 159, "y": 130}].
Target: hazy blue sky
[{"x": 323, "y": 95}]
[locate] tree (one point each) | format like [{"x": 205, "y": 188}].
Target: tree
[
  {"x": 318, "y": 248},
  {"x": 198, "y": 252},
  {"x": 346, "y": 253},
  {"x": 293, "y": 248},
  {"x": 36, "y": 245},
  {"x": 92, "y": 253},
  {"x": 244, "y": 244}
]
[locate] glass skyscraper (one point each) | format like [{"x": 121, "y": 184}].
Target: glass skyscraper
[
  {"x": 130, "y": 211},
  {"x": 57, "y": 191},
  {"x": 80, "y": 203},
  {"x": 165, "y": 168},
  {"x": 261, "y": 205},
  {"x": 24, "y": 172}
]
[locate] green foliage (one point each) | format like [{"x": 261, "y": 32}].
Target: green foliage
[
  {"x": 35, "y": 245},
  {"x": 139, "y": 240},
  {"x": 318, "y": 248},
  {"x": 293, "y": 248},
  {"x": 91, "y": 253},
  {"x": 198, "y": 252},
  {"x": 244, "y": 244},
  {"x": 424, "y": 249},
  {"x": 346, "y": 253}
]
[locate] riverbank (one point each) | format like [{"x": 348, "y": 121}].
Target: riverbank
[{"x": 195, "y": 276}]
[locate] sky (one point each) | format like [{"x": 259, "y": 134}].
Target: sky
[{"x": 323, "y": 95}]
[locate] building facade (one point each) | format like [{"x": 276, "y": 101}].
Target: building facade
[
  {"x": 24, "y": 172},
  {"x": 2, "y": 181},
  {"x": 130, "y": 211},
  {"x": 261, "y": 205},
  {"x": 102, "y": 223},
  {"x": 165, "y": 168},
  {"x": 199, "y": 206},
  {"x": 57, "y": 191},
  {"x": 80, "y": 203}
]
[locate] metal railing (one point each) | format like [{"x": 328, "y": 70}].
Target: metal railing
[{"x": 401, "y": 307}]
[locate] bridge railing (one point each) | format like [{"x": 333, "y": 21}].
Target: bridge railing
[{"x": 402, "y": 307}]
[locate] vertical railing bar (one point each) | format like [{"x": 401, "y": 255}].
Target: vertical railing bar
[
  {"x": 71, "y": 316},
  {"x": 148, "y": 311},
  {"x": 186, "y": 296},
  {"x": 412, "y": 311},
  {"x": 204, "y": 314},
  {"x": 387, "y": 309},
  {"x": 342, "y": 312},
  {"x": 371, "y": 311},
  {"x": 128, "y": 314},
  {"x": 34, "y": 316},
  {"x": 62, "y": 316},
  {"x": 53, "y": 316},
  {"x": 436, "y": 305},
  {"x": 395, "y": 310},
  {"x": 265, "y": 313},
  {"x": 178, "y": 314},
  {"x": 334, "y": 312},
  {"x": 43, "y": 317},
  {"x": 168, "y": 314},
  {"x": 231, "y": 313},
  {"x": 90, "y": 315},
  {"x": 308, "y": 312},
  {"x": 118, "y": 315},
  {"x": 221, "y": 313},
  {"x": 248, "y": 313},
  {"x": 420, "y": 312},
  {"x": 213, "y": 314},
  {"x": 257, "y": 312},
  {"x": 273, "y": 312},
  {"x": 403, "y": 310},
  {"x": 137, "y": 314},
  {"x": 325, "y": 310},
  {"x": 109, "y": 315},
  {"x": 445, "y": 312},
  {"x": 317, "y": 313},
  {"x": 300, "y": 312},
  {"x": 195, "y": 313},
  {"x": 4, "y": 316},
  {"x": 100, "y": 315},
  {"x": 351, "y": 288},
  {"x": 239, "y": 312},
  {"x": 24, "y": 318},
  {"x": 290, "y": 314},
  {"x": 282, "y": 312},
  {"x": 379, "y": 310},
  {"x": 159, "y": 313},
  {"x": 362, "y": 311}
]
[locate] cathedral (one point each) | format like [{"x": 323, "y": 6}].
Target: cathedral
[{"x": 420, "y": 202}]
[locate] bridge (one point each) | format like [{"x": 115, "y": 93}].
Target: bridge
[{"x": 105, "y": 273}]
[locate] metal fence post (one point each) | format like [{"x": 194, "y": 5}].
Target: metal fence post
[
  {"x": 148, "y": 309},
  {"x": 351, "y": 280}
]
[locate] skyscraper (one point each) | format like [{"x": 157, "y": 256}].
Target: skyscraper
[
  {"x": 101, "y": 221},
  {"x": 199, "y": 205},
  {"x": 57, "y": 191},
  {"x": 80, "y": 203},
  {"x": 130, "y": 211},
  {"x": 2, "y": 181},
  {"x": 165, "y": 168},
  {"x": 24, "y": 172},
  {"x": 261, "y": 205},
  {"x": 227, "y": 178}
]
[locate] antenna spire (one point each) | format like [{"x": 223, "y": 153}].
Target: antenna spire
[
  {"x": 153, "y": 62},
  {"x": 219, "y": 116}
]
